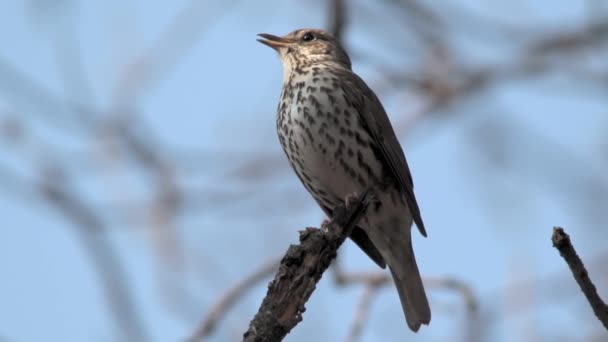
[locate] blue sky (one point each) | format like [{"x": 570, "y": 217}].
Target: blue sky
[{"x": 489, "y": 207}]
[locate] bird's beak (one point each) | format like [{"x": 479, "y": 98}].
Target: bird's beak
[{"x": 274, "y": 41}]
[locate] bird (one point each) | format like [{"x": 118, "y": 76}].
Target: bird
[{"x": 339, "y": 141}]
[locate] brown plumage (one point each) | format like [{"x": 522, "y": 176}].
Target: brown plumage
[{"x": 339, "y": 141}]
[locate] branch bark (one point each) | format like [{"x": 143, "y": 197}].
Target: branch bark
[
  {"x": 300, "y": 270},
  {"x": 561, "y": 241}
]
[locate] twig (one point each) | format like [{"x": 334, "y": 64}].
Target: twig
[
  {"x": 300, "y": 270},
  {"x": 561, "y": 241},
  {"x": 362, "y": 310},
  {"x": 207, "y": 325},
  {"x": 337, "y": 20}
]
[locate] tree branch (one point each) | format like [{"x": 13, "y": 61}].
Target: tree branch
[
  {"x": 300, "y": 270},
  {"x": 561, "y": 241}
]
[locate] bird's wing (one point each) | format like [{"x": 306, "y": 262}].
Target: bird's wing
[{"x": 375, "y": 119}]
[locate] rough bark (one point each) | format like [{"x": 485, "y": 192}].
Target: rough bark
[
  {"x": 300, "y": 270},
  {"x": 561, "y": 241}
]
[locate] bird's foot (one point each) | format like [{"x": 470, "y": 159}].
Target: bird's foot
[{"x": 325, "y": 225}]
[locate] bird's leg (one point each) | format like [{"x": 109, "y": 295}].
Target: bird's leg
[
  {"x": 348, "y": 201},
  {"x": 355, "y": 196},
  {"x": 325, "y": 225},
  {"x": 351, "y": 198}
]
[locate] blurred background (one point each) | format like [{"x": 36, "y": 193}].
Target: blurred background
[{"x": 145, "y": 196}]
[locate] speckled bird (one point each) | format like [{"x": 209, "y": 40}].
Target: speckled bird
[{"x": 339, "y": 141}]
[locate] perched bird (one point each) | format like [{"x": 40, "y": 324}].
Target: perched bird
[{"x": 339, "y": 141}]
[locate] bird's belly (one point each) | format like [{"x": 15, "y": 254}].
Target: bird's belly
[{"x": 330, "y": 152}]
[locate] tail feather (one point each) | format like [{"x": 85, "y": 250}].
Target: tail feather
[{"x": 409, "y": 286}]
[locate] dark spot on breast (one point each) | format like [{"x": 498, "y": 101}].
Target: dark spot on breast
[
  {"x": 311, "y": 89},
  {"x": 313, "y": 100},
  {"x": 339, "y": 150},
  {"x": 322, "y": 128},
  {"x": 308, "y": 117},
  {"x": 332, "y": 99},
  {"x": 360, "y": 140},
  {"x": 304, "y": 141},
  {"x": 347, "y": 100},
  {"x": 312, "y": 139}
]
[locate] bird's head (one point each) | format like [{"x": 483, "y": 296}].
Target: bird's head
[{"x": 307, "y": 47}]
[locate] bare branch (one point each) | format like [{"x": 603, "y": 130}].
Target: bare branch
[
  {"x": 561, "y": 241},
  {"x": 300, "y": 270}
]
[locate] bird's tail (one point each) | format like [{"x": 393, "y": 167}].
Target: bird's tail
[{"x": 409, "y": 286}]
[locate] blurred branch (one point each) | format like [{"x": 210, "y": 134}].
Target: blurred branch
[
  {"x": 448, "y": 82},
  {"x": 58, "y": 113},
  {"x": 91, "y": 234},
  {"x": 172, "y": 44},
  {"x": 337, "y": 20},
  {"x": 561, "y": 241},
  {"x": 300, "y": 270},
  {"x": 374, "y": 281},
  {"x": 422, "y": 20},
  {"x": 219, "y": 309},
  {"x": 567, "y": 41},
  {"x": 62, "y": 33},
  {"x": 362, "y": 311},
  {"x": 53, "y": 187}
]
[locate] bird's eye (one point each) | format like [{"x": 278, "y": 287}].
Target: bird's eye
[{"x": 308, "y": 37}]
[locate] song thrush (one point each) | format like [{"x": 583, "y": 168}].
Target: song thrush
[{"x": 339, "y": 141}]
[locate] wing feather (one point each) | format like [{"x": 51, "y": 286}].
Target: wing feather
[{"x": 375, "y": 119}]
